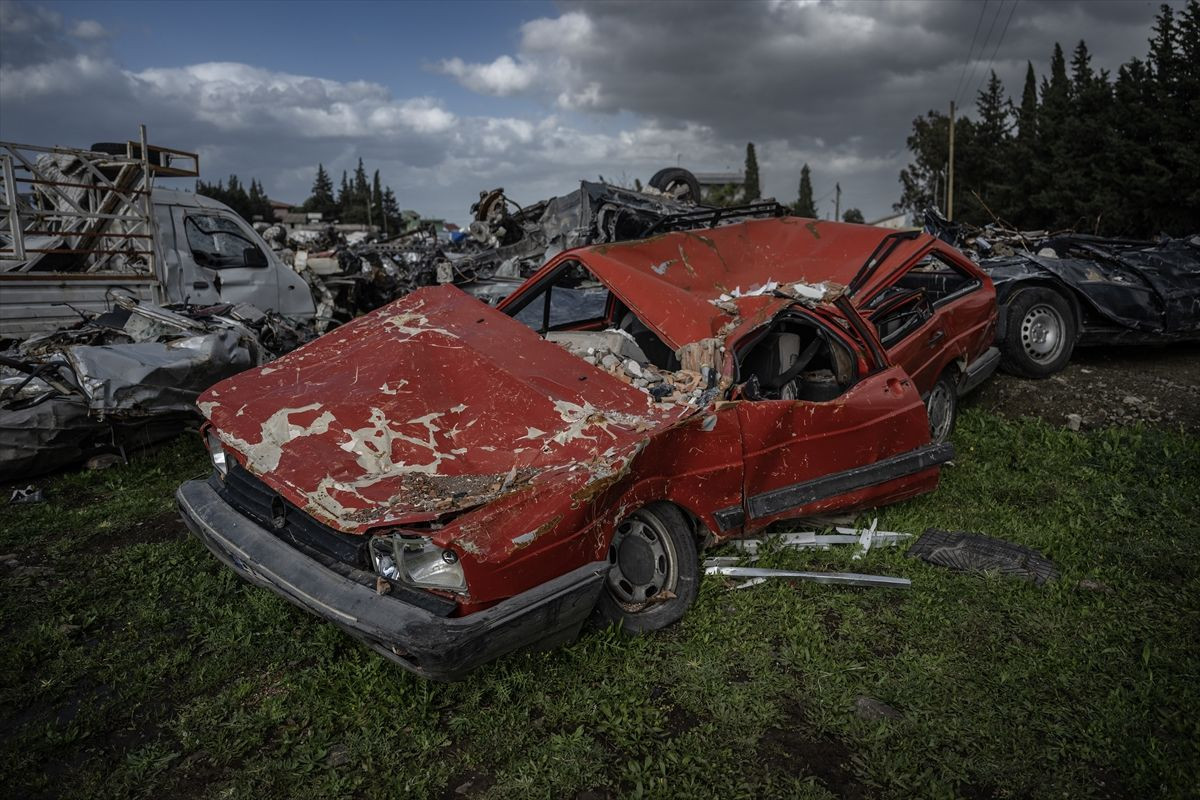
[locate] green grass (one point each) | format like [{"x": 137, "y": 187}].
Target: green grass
[{"x": 139, "y": 667}]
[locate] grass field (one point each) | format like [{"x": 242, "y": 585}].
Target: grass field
[{"x": 135, "y": 666}]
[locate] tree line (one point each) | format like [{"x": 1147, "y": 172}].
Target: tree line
[
  {"x": 1114, "y": 156},
  {"x": 249, "y": 203},
  {"x": 358, "y": 201}
]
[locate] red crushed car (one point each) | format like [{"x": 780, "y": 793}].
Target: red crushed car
[{"x": 449, "y": 481}]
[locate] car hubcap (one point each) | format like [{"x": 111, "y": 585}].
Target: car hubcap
[
  {"x": 642, "y": 561},
  {"x": 938, "y": 409},
  {"x": 1042, "y": 333}
]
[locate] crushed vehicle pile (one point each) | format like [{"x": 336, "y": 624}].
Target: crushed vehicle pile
[
  {"x": 1059, "y": 290},
  {"x": 448, "y": 481},
  {"x": 126, "y": 378},
  {"x": 504, "y": 243}
]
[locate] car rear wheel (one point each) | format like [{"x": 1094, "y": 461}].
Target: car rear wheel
[
  {"x": 941, "y": 406},
  {"x": 1040, "y": 334},
  {"x": 654, "y": 571}
]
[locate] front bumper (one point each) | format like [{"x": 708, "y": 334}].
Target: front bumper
[{"x": 443, "y": 648}]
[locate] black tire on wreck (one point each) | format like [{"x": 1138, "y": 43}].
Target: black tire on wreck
[
  {"x": 677, "y": 182},
  {"x": 654, "y": 571},
  {"x": 1040, "y": 333}
]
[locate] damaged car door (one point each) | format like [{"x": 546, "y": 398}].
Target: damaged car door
[
  {"x": 219, "y": 248},
  {"x": 825, "y": 425}
]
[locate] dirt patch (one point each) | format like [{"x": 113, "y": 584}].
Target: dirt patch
[
  {"x": 680, "y": 721},
  {"x": 162, "y": 527},
  {"x": 1107, "y": 386},
  {"x": 802, "y": 755}
]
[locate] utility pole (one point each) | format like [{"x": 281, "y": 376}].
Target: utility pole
[
  {"x": 837, "y": 204},
  {"x": 950, "y": 176}
]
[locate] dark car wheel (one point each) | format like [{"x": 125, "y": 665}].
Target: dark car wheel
[
  {"x": 1040, "y": 334},
  {"x": 680, "y": 183},
  {"x": 654, "y": 571},
  {"x": 941, "y": 406}
]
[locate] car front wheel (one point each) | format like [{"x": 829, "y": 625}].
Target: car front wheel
[
  {"x": 1040, "y": 334},
  {"x": 654, "y": 571}
]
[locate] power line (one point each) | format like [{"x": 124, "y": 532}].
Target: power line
[
  {"x": 963, "y": 73},
  {"x": 999, "y": 41},
  {"x": 983, "y": 48}
]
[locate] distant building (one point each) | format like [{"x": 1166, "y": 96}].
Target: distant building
[
  {"x": 279, "y": 208},
  {"x": 709, "y": 180},
  {"x": 896, "y": 222}
]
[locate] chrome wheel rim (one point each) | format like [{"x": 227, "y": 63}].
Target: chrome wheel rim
[
  {"x": 1042, "y": 333},
  {"x": 642, "y": 562},
  {"x": 938, "y": 407}
]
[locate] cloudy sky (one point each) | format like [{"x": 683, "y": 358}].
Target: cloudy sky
[{"x": 446, "y": 99}]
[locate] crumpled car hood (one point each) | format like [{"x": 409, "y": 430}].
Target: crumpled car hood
[{"x": 433, "y": 404}]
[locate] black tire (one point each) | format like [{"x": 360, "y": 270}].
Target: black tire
[
  {"x": 653, "y": 545},
  {"x": 1040, "y": 334},
  {"x": 942, "y": 403},
  {"x": 677, "y": 182}
]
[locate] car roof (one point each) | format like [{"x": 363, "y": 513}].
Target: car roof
[
  {"x": 674, "y": 281},
  {"x": 176, "y": 197}
]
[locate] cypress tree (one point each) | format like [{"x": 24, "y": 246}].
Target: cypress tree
[
  {"x": 751, "y": 190},
  {"x": 804, "y": 206}
]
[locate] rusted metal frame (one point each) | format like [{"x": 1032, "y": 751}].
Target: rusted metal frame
[
  {"x": 58, "y": 277},
  {"x": 148, "y": 209},
  {"x": 33, "y": 169},
  {"x": 801, "y": 494},
  {"x": 688, "y": 220},
  {"x": 73, "y": 185},
  {"x": 10, "y": 206},
  {"x": 58, "y": 212},
  {"x": 72, "y": 251},
  {"x": 115, "y": 193},
  {"x": 92, "y": 233},
  {"x": 882, "y": 251}
]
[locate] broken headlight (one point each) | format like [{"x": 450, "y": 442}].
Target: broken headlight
[
  {"x": 418, "y": 562},
  {"x": 216, "y": 451}
]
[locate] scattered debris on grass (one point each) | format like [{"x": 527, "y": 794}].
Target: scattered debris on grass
[
  {"x": 832, "y": 578},
  {"x": 971, "y": 552}
]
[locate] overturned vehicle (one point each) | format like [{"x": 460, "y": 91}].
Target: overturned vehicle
[{"x": 448, "y": 481}]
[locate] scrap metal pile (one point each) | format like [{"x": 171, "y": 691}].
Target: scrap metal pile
[
  {"x": 504, "y": 243},
  {"x": 130, "y": 376},
  {"x": 126, "y": 378}
]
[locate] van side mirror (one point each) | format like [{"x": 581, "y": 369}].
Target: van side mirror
[{"x": 253, "y": 257}]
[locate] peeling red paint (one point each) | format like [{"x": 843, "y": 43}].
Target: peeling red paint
[{"x": 438, "y": 409}]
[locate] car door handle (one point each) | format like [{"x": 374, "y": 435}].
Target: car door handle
[
  {"x": 199, "y": 284},
  {"x": 935, "y": 337}
]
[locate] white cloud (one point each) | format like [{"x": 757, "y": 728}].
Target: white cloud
[
  {"x": 625, "y": 89},
  {"x": 504, "y": 76},
  {"x": 88, "y": 30}
]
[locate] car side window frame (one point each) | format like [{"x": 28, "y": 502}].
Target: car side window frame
[
  {"x": 544, "y": 290},
  {"x": 893, "y": 293},
  {"x": 233, "y": 229}
]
